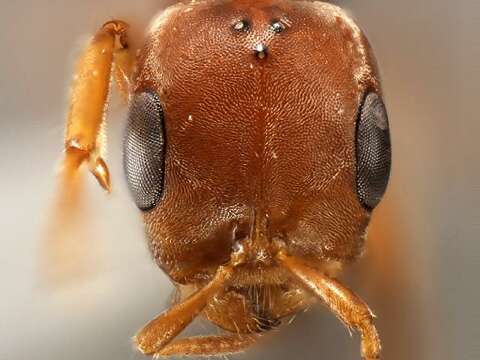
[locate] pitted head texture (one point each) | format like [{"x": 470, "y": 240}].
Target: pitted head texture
[{"x": 261, "y": 100}]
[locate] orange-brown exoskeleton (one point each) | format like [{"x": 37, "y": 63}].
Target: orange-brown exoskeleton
[{"x": 257, "y": 146}]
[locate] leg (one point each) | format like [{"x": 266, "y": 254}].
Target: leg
[
  {"x": 208, "y": 345},
  {"x": 160, "y": 331},
  {"x": 89, "y": 97},
  {"x": 342, "y": 301},
  {"x": 124, "y": 61},
  {"x": 84, "y": 143},
  {"x": 66, "y": 246}
]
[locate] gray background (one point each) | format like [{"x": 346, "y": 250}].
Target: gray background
[{"x": 428, "y": 52}]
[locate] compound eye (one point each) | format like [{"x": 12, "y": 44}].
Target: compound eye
[
  {"x": 144, "y": 150},
  {"x": 374, "y": 152}
]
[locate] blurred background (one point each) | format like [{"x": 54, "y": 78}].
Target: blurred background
[{"x": 420, "y": 275}]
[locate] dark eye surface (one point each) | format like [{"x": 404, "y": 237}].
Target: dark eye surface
[
  {"x": 374, "y": 152},
  {"x": 144, "y": 150}
]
